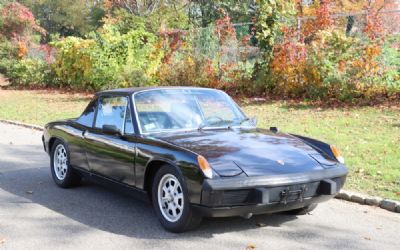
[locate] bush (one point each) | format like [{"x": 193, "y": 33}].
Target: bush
[
  {"x": 8, "y": 52},
  {"x": 391, "y": 59},
  {"x": 188, "y": 71},
  {"x": 333, "y": 65},
  {"x": 109, "y": 59},
  {"x": 28, "y": 72}
]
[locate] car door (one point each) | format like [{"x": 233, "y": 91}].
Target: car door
[
  {"x": 76, "y": 141},
  {"x": 112, "y": 155}
]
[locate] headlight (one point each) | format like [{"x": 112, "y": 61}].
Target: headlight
[
  {"x": 204, "y": 166},
  {"x": 337, "y": 154}
]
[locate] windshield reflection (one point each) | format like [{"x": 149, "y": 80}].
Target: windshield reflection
[{"x": 180, "y": 109}]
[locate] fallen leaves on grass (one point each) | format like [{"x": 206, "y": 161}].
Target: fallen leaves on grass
[
  {"x": 251, "y": 247},
  {"x": 360, "y": 171}
]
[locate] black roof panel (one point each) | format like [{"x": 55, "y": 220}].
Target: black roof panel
[{"x": 137, "y": 89}]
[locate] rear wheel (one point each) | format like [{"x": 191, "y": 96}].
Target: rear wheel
[
  {"x": 63, "y": 175},
  {"x": 170, "y": 201},
  {"x": 303, "y": 210}
]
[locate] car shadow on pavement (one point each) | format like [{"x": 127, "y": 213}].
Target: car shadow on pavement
[
  {"x": 107, "y": 210},
  {"x": 94, "y": 206}
]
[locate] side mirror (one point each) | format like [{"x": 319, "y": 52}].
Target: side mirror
[
  {"x": 274, "y": 129},
  {"x": 111, "y": 130}
]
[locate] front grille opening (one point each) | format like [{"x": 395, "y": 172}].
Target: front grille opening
[{"x": 235, "y": 197}]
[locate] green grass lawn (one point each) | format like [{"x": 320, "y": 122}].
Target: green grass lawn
[
  {"x": 369, "y": 137},
  {"x": 40, "y": 106}
]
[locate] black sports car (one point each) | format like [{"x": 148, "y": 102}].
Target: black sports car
[{"x": 194, "y": 153}]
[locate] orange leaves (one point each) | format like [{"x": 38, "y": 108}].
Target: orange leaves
[
  {"x": 342, "y": 66},
  {"x": 373, "y": 28},
  {"x": 174, "y": 40},
  {"x": 373, "y": 51},
  {"x": 288, "y": 62},
  {"x": 317, "y": 17},
  {"x": 323, "y": 20},
  {"x": 368, "y": 64},
  {"x": 21, "y": 49},
  {"x": 224, "y": 28}
]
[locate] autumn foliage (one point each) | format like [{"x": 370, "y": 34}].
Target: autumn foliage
[
  {"x": 288, "y": 50},
  {"x": 18, "y": 21},
  {"x": 323, "y": 61}
]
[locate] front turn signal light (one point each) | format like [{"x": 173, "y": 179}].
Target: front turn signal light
[
  {"x": 204, "y": 166},
  {"x": 337, "y": 154}
]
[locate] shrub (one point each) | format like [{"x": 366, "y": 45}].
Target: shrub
[
  {"x": 333, "y": 65},
  {"x": 211, "y": 57},
  {"x": 391, "y": 60},
  {"x": 189, "y": 71},
  {"x": 109, "y": 59},
  {"x": 328, "y": 63},
  {"x": 28, "y": 72}
]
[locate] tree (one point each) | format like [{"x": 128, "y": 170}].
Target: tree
[
  {"x": 143, "y": 7},
  {"x": 204, "y": 12},
  {"x": 66, "y": 17},
  {"x": 271, "y": 15},
  {"x": 17, "y": 21},
  {"x": 153, "y": 15}
]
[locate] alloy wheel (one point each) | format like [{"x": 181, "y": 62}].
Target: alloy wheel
[
  {"x": 170, "y": 198},
  {"x": 60, "y": 162}
]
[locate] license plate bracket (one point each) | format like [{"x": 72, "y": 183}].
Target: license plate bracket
[{"x": 287, "y": 194}]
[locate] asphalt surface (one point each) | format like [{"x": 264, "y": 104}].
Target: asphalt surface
[{"x": 36, "y": 214}]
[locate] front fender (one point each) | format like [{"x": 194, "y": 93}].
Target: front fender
[
  {"x": 150, "y": 151},
  {"x": 322, "y": 147}
]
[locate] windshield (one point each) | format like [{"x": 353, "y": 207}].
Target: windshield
[{"x": 186, "y": 109}]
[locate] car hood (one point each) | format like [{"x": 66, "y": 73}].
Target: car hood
[{"x": 255, "y": 152}]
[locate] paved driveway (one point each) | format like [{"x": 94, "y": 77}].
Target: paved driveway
[{"x": 35, "y": 214}]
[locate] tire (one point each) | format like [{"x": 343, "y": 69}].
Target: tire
[
  {"x": 63, "y": 174},
  {"x": 303, "y": 210},
  {"x": 168, "y": 178}
]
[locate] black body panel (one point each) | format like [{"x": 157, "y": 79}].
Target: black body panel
[
  {"x": 111, "y": 156},
  {"x": 254, "y": 170}
]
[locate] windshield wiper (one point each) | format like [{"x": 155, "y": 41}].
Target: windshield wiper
[
  {"x": 206, "y": 124},
  {"x": 244, "y": 120}
]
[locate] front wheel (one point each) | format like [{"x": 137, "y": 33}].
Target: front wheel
[
  {"x": 63, "y": 175},
  {"x": 170, "y": 201}
]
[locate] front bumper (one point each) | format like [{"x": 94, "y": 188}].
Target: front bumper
[{"x": 267, "y": 194}]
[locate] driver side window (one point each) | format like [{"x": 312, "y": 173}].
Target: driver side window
[
  {"x": 86, "y": 119},
  {"x": 112, "y": 111}
]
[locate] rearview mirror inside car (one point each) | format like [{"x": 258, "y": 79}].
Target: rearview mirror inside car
[{"x": 111, "y": 130}]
